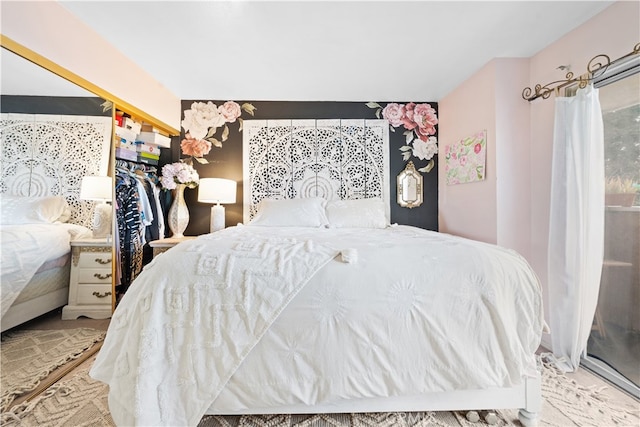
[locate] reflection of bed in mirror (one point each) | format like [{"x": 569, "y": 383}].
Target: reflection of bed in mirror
[{"x": 50, "y": 140}]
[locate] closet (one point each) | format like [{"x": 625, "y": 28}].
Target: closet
[{"x": 141, "y": 207}]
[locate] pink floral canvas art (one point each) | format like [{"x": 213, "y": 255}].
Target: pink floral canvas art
[{"x": 465, "y": 160}]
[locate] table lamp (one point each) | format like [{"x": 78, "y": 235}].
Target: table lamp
[
  {"x": 99, "y": 188},
  {"x": 217, "y": 190}
]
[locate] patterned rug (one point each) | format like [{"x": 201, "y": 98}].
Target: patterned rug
[
  {"x": 77, "y": 400},
  {"x": 29, "y": 356}
]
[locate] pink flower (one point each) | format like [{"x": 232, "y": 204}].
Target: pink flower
[
  {"x": 394, "y": 113},
  {"x": 407, "y": 120},
  {"x": 425, "y": 116},
  {"x": 195, "y": 147},
  {"x": 463, "y": 160},
  {"x": 230, "y": 111},
  {"x": 477, "y": 148}
]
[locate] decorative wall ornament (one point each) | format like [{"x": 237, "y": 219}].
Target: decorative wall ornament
[
  {"x": 49, "y": 154},
  {"x": 333, "y": 158},
  {"x": 409, "y": 183},
  {"x": 465, "y": 160},
  {"x": 419, "y": 122}
]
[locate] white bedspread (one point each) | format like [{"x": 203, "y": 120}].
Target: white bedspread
[
  {"x": 209, "y": 323},
  {"x": 25, "y": 248}
]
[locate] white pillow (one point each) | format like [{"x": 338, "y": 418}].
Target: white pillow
[
  {"x": 359, "y": 213},
  {"x": 32, "y": 210},
  {"x": 307, "y": 212}
]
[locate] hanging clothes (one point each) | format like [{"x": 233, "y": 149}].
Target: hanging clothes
[{"x": 139, "y": 221}]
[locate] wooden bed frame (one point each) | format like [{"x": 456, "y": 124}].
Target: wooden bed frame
[{"x": 526, "y": 397}]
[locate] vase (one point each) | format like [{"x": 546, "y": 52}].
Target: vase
[{"x": 178, "y": 212}]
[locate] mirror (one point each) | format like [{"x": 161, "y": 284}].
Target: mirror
[
  {"x": 409, "y": 184},
  {"x": 49, "y": 167}
]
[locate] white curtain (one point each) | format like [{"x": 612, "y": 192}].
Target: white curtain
[{"x": 576, "y": 229}]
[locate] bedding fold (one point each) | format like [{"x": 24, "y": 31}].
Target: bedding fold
[
  {"x": 191, "y": 317},
  {"x": 25, "y": 249}
]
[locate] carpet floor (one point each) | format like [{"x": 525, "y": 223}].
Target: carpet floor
[
  {"x": 78, "y": 400},
  {"x": 29, "y": 356}
]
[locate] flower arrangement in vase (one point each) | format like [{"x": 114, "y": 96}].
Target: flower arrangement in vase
[{"x": 178, "y": 176}]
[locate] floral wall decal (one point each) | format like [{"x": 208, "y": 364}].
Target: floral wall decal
[
  {"x": 419, "y": 122},
  {"x": 202, "y": 122}
]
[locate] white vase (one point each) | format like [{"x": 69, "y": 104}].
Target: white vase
[{"x": 178, "y": 212}]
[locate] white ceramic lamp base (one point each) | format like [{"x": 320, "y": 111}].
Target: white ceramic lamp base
[{"x": 217, "y": 218}]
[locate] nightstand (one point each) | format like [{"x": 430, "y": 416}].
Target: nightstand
[
  {"x": 162, "y": 245},
  {"x": 90, "y": 286}
]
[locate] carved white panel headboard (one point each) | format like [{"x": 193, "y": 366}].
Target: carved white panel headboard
[
  {"x": 46, "y": 154},
  {"x": 330, "y": 158}
]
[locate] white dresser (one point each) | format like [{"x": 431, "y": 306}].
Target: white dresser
[{"x": 90, "y": 287}]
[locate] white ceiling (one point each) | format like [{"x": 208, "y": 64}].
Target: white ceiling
[{"x": 325, "y": 50}]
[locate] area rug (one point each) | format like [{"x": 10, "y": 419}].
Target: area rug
[
  {"x": 80, "y": 401},
  {"x": 29, "y": 356}
]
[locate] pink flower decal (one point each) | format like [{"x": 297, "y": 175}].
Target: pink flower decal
[
  {"x": 425, "y": 117},
  {"x": 394, "y": 114},
  {"x": 419, "y": 122},
  {"x": 230, "y": 111},
  {"x": 195, "y": 147},
  {"x": 477, "y": 148},
  {"x": 201, "y": 123}
]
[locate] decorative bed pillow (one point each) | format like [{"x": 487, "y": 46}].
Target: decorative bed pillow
[
  {"x": 359, "y": 213},
  {"x": 305, "y": 212},
  {"x": 32, "y": 210}
]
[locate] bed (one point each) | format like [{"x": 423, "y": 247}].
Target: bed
[
  {"x": 34, "y": 273},
  {"x": 282, "y": 319}
]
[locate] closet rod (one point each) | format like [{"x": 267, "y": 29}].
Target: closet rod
[{"x": 596, "y": 67}]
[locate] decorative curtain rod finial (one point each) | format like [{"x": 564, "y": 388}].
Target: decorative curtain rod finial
[{"x": 596, "y": 67}]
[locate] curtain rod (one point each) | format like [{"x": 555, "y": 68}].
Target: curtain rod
[{"x": 596, "y": 67}]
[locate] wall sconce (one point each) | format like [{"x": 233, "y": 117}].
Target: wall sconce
[
  {"x": 99, "y": 188},
  {"x": 217, "y": 190}
]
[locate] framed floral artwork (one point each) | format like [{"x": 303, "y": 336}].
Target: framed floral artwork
[{"x": 465, "y": 160}]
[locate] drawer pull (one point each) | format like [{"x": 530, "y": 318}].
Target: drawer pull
[
  {"x": 103, "y": 261},
  {"x": 102, "y": 277},
  {"x": 99, "y": 295}
]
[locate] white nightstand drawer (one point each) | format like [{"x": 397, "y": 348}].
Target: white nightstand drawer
[
  {"x": 94, "y": 294},
  {"x": 94, "y": 259},
  {"x": 94, "y": 275}
]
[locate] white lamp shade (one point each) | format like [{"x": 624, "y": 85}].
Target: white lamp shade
[
  {"x": 96, "y": 188},
  {"x": 217, "y": 190}
]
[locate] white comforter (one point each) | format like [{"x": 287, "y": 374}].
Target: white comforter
[
  {"x": 25, "y": 248},
  {"x": 255, "y": 317}
]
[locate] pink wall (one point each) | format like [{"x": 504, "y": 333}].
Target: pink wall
[
  {"x": 50, "y": 30},
  {"x": 494, "y": 210},
  {"x": 512, "y": 206},
  {"x": 469, "y": 210},
  {"x": 512, "y": 155}
]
